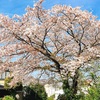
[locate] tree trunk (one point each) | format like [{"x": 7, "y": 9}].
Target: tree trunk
[
  {"x": 75, "y": 82},
  {"x": 70, "y": 90}
]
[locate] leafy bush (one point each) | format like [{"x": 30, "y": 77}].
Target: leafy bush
[
  {"x": 29, "y": 94},
  {"x": 68, "y": 92},
  {"x": 61, "y": 97},
  {"x": 34, "y": 92},
  {"x": 8, "y": 98},
  {"x": 93, "y": 93},
  {"x": 40, "y": 90}
]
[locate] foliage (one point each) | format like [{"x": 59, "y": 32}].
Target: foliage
[
  {"x": 67, "y": 90},
  {"x": 93, "y": 93},
  {"x": 70, "y": 86},
  {"x": 8, "y": 98},
  {"x": 29, "y": 94},
  {"x": 6, "y": 82},
  {"x": 62, "y": 97},
  {"x": 14, "y": 89},
  {"x": 51, "y": 97},
  {"x": 40, "y": 90},
  {"x": 66, "y": 97},
  {"x": 36, "y": 92}
]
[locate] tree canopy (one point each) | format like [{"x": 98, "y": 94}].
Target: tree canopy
[{"x": 61, "y": 39}]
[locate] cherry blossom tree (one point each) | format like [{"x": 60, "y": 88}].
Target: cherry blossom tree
[{"x": 61, "y": 39}]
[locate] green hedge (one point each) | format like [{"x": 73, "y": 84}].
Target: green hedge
[{"x": 8, "y": 98}]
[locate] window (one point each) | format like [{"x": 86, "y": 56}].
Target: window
[{"x": 4, "y": 75}]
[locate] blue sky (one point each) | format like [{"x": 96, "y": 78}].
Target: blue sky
[{"x": 11, "y": 7}]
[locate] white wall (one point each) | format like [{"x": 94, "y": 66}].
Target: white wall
[{"x": 51, "y": 90}]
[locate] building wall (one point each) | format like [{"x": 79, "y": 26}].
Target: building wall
[
  {"x": 52, "y": 90},
  {"x": 2, "y": 82}
]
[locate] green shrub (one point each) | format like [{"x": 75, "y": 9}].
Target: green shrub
[
  {"x": 34, "y": 92},
  {"x": 8, "y": 98},
  {"x": 29, "y": 94},
  {"x": 93, "y": 93},
  {"x": 61, "y": 97},
  {"x": 40, "y": 90}
]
